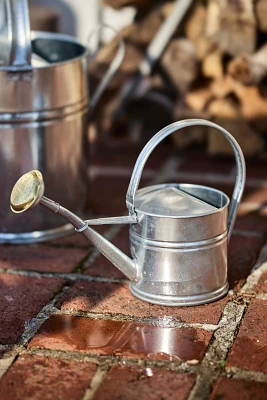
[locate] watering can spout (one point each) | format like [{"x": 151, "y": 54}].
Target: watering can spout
[{"x": 28, "y": 191}]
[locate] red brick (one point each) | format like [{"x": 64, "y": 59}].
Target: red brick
[
  {"x": 256, "y": 169},
  {"x": 133, "y": 340},
  {"x": 108, "y": 195},
  {"x": 72, "y": 240},
  {"x": 40, "y": 258},
  {"x": 195, "y": 161},
  {"x": 104, "y": 268},
  {"x": 117, "y": 299},
  {"x": 242, "y": 255},
  {"x": 254, "y": 194},
  {"x": 22, "y": 298},
  {"x": 261, "y": 286},
  {"x": 250, "y": 347},
  {"x": 125, "y": 155},
  {"x": 253, "y": 221},
  {"x": 235, "y": 389},
  {"x": 40, "y": 378},
  {"x": 2, "y": 352},
  {"x": 136, "y": 383}
]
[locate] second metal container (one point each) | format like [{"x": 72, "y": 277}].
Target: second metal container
[{"x": 44, "y": 106}]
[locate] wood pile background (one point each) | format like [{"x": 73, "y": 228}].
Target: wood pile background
[{"x": 214, "y": 67}]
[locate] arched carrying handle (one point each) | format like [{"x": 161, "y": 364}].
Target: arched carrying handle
[
  {"x": 150, "y": 146},
  {"x": 16, "y": 35},
  {"x": 114, "y": 66}
]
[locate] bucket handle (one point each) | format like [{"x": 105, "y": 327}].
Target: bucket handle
[
  {"x": 114, "y": 66},
  {"x": 18, "y": 32},
  {"x": 162, "y": 134}
]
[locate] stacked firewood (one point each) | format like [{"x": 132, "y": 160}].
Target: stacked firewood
[{"x": 215, "y": 67}]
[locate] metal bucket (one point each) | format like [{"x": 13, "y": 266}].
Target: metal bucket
[{"x": 44, "y": 106}]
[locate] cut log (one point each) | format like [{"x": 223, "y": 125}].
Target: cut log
[
  {"x": 253, "y": 105},
  {"x": 249, "y": 69},
  {"x": 227, "y": 114},
  {"x": 232, "y": 25},
  {"x": 192, "y": 134},
  {"x": 140, "y": 4},
  {"x": 212, "y": 66},
  {"x": 195, "y": 30},
  {"x": 44, "y": 18},
  {"x": 180, "y": 64},
  {"x": 223, "y": 87},
  {"x": 261, "y": 14},
  {"x": 197, "y": 99}
]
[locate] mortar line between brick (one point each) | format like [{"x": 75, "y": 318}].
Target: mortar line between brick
[
  {"x": 213, "y": 177},
  {"x": 217, "y": 350},
  {"x": 5, "y": 364},
  {"x": 36, "y": 322},
  {"x": 118, "y": 172},
  {"x": 239, "y": 373},
  {"x": 242, "y": 232},
  {"x": 110, "y": 234},
  {"x": 96, "y": 382},
  {"x": 111, "y": 360},
  {"x": 68, "y": 276},
  {"x": 262, "y": 296},
  {"x": 154, "y": 321},
  {"x": 223, "y": 338}
]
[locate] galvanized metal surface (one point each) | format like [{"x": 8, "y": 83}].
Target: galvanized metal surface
[
  {"x": 176, "y": 126},
  {"x": 179, "y": 254},
  {"x": 43, "y": 122},
  {"x": 181, "y": 257}
]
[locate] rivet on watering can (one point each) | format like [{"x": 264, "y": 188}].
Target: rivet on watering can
[{"x": 178, "y": 232}]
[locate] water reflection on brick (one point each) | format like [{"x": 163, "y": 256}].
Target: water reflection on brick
[{"x": 126, "y": 339}]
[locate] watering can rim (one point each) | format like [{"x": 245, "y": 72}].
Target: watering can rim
[
  {"x": 58, "y": 36},
  {"x": 213, "y": 209}
]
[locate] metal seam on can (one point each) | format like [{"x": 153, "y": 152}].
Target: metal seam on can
[
  {"x": 34, "y": 116},
  {"x": 190, "y": 300},
  {"x": 203, "y": 244}
]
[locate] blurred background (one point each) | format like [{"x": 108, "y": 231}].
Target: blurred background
[{"x": 213, "y": 65}]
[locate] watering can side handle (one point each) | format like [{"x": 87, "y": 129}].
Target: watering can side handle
[
  {"x": 162, "y": 134},
  {"x": 19, "y": 32},
  {"x": 114, "y": 66}
]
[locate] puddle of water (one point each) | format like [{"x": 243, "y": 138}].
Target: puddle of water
[{"x": 120, "y": 338}]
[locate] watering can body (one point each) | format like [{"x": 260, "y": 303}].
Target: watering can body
[
  {"x": 178, "y": 232},
  {"x": 44, "y": 108},
  {"x": 181, "y": 250}
]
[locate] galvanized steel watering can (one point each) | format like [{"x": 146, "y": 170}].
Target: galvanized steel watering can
[
  {"x": 178, "y": 232},
  {"x": 44, "y": 110}
]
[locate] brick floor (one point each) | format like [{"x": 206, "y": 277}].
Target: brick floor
[
  {"x": 262, "y": 284},
  {"x": 108, "y": 196},
  {"x": 131, "y": 340},
  {"x": 242, "y": 255},
  {"x": 142, "y": 350},
  {"x": 250, "y": 347},
  {"x": 116, "y": 298},
  {"x": 206, "y": 164},
  {"x": 101, "y": 266},
  {"x": 41, "y": 378},
  {"x": 144, "y": 384},
  {"x": 233, "y": 389},
  {"x": 41, "y": 258},
  {"x": 106, "y": 155},
  {"x": 22, "y": 297},
  {"x": 255, "y": 221}
]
